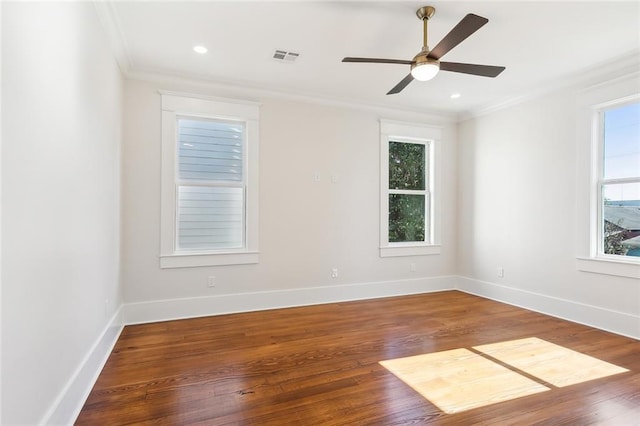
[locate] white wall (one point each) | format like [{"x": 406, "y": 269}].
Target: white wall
[
  {"x": 61, "y": 115},
  {"x": 514, "y": 171},
  {"x": 517, "y": 198},
  {"x": 306, "y": 227}
]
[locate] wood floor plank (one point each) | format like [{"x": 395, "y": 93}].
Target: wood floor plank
[{"x": 319, "y": 365}]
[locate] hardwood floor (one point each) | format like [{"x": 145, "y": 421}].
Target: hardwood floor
[{"x": 319, "y": 365}]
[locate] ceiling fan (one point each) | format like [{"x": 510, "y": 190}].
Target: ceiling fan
[{"x": 426, "y": 64}]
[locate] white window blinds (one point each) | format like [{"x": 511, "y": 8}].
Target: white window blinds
[
  {"x": 210, "y": 150},
  {"x": 210, "y": 184}
]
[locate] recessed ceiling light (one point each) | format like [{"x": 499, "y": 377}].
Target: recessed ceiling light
[
  {"x": 200, "y": 49},
  {"x": 455, "y": 95}
]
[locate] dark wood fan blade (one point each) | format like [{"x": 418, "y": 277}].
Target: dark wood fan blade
[
  {"x": 481, "y": 70},
  {"x": 469, "y": 25},
  {"x": 377, "y": 61},
  {"x": 398, "y": 87}
]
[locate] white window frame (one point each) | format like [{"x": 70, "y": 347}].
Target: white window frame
[
  {"x": 590, "y": 150},
  {"x": 175, "y": 106},
  {"x": 430, "y": 136},
  {"x": 598, "y": 244}
]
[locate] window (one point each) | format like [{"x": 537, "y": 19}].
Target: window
[
  {"x": 209, "y": 182},
  {"x": 408, "y": 194},
  {"x": 618, "y": 189},
  {"x": 407, "y": 199},
  {"x": 604, "y": 165}
]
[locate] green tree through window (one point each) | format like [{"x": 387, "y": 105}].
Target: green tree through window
[{"x": 407, "y": 166}]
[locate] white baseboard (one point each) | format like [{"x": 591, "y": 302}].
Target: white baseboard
[
  {"x": 163, "y": 310},
  {"x": 67, "y": 405},
  {"x": 605, "y": 319}
]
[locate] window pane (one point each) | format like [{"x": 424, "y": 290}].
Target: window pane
[
  {"x": 210, "y": 218},
  {"x": 406, "y": 166},
  {"x": 622, "y": 142},
  {"x": 210, "y": 150},
  {"x": 621, "y": 214},
  {"x": 406, "y": 218}
]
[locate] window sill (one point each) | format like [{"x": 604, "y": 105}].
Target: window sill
[
  {"x": 396, "y": 251},
  {"x": 614, "y": 267},
  {"x": 208, "y": 259}
]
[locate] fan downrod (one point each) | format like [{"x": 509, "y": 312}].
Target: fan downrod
[{"x": 425, "y": 13}]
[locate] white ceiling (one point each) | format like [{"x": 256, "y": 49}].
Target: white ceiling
[{"x": 540, "y": 43}]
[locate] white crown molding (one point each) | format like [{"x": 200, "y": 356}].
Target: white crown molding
[
  {"x": 599, "y": 73},
  {"x": 624, "y": 66},
  {"x": 110, "y": 20},
  {"x": 108, "y": 17},
  {"x": 257, "y": 94},
  {"x": 602, "y": 73}
]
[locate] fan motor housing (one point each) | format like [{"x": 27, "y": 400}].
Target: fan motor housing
[{"x": 423, "y": 58}]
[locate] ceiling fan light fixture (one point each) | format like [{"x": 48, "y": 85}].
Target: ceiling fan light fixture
[
  {"x": 426, "y": 64},
  {"x": 424, "y": 71}
]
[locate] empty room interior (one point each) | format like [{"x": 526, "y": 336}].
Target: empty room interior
[{"x": 320, "y": 212}]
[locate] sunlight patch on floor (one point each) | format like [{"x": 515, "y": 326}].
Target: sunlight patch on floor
[
  {"x": 547, "y": 361},
  {"x": 461, "y": 379}
]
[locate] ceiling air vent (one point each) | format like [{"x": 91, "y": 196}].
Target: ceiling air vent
[{"x": 284, "y": 56}]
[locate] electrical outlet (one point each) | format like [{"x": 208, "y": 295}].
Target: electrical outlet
[
  {"x": 500, "y": 272},
  {"x": 334, "y": 273},
  {"x": 412, "y": 267},
  {"x": 211, "y": 281}
]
